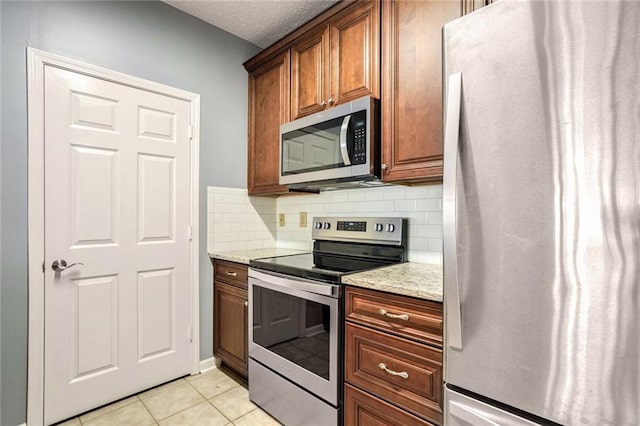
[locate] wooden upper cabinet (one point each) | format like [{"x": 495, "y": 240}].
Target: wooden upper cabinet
[
  {"x": 412, "y": 88},
  {"x": 338, "y": 61},
  {"x": 269, "y": 103},
  {"x": 309, "y": 68},
  {"x": 355, "y": 53}
]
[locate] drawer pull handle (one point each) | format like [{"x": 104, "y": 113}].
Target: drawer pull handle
[
  {"x": 232, "y": 274},
  {"x": 402, "y": 374},
  {"x": 384, "y": 313}
]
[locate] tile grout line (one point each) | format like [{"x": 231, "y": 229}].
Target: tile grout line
[
  {"x": 209, "y": 400},
  {"x": 147, "y": 408},
  {"x": 227, "y": 417},
  {"x": 177, "y": 412},
  {"x": 214, "y": 397},
  {"x": 104, "y": 414}
]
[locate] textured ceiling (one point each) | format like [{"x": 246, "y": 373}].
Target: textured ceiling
[{"x": 262, "y": 22}]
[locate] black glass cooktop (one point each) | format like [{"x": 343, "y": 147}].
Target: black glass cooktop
[{"x": 331, "y": 264}]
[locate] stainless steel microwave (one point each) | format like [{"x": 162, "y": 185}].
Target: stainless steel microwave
[{"x": 337, "y": 146}]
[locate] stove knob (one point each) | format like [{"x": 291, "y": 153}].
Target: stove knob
[
  {"x": 379, "y": 227},
  {"x": 318, "y": 225},
  {"x": 326, "y": 225},
  {"x": 391, "y": 227}
]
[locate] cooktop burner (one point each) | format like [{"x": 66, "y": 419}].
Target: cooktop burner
[{"x": 343, "y": 246}]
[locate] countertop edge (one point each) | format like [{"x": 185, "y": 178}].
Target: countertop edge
[{"x": 422, "y": 281}]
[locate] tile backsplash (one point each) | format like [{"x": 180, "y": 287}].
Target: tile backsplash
[{"x": 239, "y": 222}]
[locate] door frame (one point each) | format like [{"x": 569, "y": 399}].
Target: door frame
[{"x": 36, "y": 61}]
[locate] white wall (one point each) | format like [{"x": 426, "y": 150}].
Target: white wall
[{"x": 254, "y": 219}]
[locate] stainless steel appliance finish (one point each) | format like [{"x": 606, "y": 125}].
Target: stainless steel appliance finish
[
  {"x": 335, "y": 147},
  {"x": 464, "y": 411},
  {"x": 286, "y": 401},
  {"x": 300, "y": 289},
  {"x": 542, "y": 297},
  {"x": 296, "y": 316},
  {"x": 374, "y": 230}
]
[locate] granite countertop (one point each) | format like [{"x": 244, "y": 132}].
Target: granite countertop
[
  {"x": 245, "y": 256},
  {"x": 419, "y": 280}
]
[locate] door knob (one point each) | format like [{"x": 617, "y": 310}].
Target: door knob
[{"x": 60, "y": 265}]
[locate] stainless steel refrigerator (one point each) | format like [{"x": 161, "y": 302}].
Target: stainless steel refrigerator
[{"x": 542, "y": 214}]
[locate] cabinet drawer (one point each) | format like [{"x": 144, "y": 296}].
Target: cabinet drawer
[
  {"x": 231, "y": 273},
  {"x": 361, "y": 409},
  {"x": 400, "y": 371},
  {"x": 405, "y": 316}
]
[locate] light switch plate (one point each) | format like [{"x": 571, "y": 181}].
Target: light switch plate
[
  {"x": 281, "y": 219},
  {"x": 303, "y": 219}
]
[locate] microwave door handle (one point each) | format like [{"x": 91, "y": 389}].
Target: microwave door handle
[{"x": 343, "y": 141}]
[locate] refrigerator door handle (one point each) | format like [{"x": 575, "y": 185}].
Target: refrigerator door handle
[{"x": 451, "y": 291}]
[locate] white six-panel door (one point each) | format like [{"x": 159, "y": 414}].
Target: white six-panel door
[{"x": 117, "y": 200}]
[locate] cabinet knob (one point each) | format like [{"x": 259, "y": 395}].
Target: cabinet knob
[
  {"x": 384, "y": 166},
  {"x": 323, "y": 104},
  {"x": 331, "y": 101},
  {"x": 246, "y": 304}
]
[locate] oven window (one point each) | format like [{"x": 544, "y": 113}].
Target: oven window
[
  {"x": 312, "y": 148},
  {"x": 293, "y": 328}
]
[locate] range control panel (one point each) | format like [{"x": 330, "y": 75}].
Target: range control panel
[
  {"x": 384, "y": 230},
  {"x": 358, "y": 226}
]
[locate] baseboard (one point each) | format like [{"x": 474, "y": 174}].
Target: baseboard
[{"x": 207, "y": 364}]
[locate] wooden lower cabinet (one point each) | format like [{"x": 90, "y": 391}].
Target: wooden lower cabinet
[
  {"x": 230, "y": 324},
  {"x": 393, "y": 359},
  {"x": 361, "y": 408}
]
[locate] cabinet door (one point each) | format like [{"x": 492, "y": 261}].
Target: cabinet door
[
  {"x": 412, "y": 88},
  {"x": 355, "y": 53},
  {"x": 230, "y": 326},
  {"x": 269, "y": 103},
  {"x": 361, "y": 408},
  {"x": 309, "y": 72}
]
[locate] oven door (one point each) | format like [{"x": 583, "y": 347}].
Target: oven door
[{"x": 294, "y": 331}]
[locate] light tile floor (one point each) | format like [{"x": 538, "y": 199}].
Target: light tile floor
[{"x": 213, "y": 398}]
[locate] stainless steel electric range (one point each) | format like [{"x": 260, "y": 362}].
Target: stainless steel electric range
[{"x": 296, "y": 316}]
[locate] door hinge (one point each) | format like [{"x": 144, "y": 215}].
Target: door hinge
[
  {"x": 191, "y": 334},
  {"x": 190, "y": 132},
  {"x": 190, "y": 232},
  {"x": 43, "y": 269}
]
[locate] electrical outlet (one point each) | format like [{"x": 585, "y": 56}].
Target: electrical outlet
[
  {"x": 303, "y": 219},
  {"x": 281, "y": 219}
]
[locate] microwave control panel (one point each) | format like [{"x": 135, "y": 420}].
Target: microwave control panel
[{"x": 359, "y": 138}]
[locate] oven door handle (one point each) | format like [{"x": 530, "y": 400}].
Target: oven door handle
[
  {"x": 344, "y": 150},
  {"x": 301, "y": 284}
]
